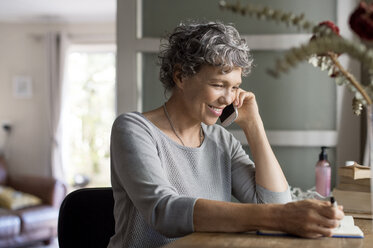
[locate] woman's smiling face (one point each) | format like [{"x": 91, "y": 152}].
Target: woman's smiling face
[{"x": 209, "y": 91}]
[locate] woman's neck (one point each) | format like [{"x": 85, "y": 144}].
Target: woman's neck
[
  {"x": 180, "y": 116},
  {"x": 184, "y": 127}
]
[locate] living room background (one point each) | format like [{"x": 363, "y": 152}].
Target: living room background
[{"x": 23, "y": 52}]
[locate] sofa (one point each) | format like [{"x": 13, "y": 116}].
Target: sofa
[{"x": 30, "y": 224}]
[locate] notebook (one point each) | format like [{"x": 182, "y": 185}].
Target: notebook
[{"x": 347, "y": 229}]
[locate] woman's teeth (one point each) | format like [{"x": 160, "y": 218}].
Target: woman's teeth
[{"x": 217, "y": 110}]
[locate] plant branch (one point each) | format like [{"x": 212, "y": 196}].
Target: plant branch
[
  {"x": 270, "y": 14},
  {"x": 350, "y": 77}
]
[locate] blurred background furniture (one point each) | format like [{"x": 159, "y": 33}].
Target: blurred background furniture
[
  {"x": 29, "y": 225},
  {"x": 86, "y": 218}
]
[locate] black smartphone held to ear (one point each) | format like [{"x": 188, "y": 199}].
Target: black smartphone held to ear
[{"x": 229, "y": 115}]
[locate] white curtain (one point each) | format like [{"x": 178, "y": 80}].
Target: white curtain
[{"x": 57, "y": 44}]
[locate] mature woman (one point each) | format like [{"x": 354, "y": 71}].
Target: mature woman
[{"x": 174, "y": 170}]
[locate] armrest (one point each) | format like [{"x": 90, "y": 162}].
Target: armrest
[{"x": 51, "y": 191}]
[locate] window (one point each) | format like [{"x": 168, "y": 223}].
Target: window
[{"x": 88, "y": 114}]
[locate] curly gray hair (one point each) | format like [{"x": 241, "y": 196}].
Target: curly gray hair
[{"x": 190, "y": 46}]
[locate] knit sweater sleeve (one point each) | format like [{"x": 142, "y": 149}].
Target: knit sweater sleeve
[
  {"x": 244, "y": 186},
  {"x": 137, "y": 169}
]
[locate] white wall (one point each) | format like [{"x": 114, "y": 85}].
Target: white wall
[{"x": 23, "y": 52}]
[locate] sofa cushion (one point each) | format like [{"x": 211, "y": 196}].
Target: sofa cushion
[
  {"x": 10, "y": 224},
  {"x": 12, "y": 199},
  {"x": 38, "y": 217}
]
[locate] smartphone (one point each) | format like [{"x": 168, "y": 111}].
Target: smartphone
[{"x": 229, "y": 115}]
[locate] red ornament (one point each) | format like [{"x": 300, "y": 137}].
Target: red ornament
[
  {"x": 361, "y": 21},
  {"x": 331, "y": 25}
]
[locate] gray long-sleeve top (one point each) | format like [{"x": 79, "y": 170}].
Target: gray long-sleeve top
[{"x": 156, "y": 181}]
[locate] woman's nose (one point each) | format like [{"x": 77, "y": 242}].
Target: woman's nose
[{"x": 228, "y": 97}]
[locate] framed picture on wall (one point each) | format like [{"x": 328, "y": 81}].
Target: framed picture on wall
[{"x": 22, "y": 87}]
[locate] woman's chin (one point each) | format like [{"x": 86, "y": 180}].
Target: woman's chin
[{"x": 210, "y": 121}]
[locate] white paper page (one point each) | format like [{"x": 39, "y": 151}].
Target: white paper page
[{"x": 348, "y": 228}]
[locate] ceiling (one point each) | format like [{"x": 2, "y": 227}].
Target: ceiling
[{"x": 57, "y": 11}]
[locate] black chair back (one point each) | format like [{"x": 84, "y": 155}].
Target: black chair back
[{"x": 86, "y": 218}]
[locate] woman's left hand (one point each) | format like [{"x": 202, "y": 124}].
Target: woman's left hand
[{"x": 247, "y": 107}]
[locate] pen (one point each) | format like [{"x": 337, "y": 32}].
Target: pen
[
  {"x": 333, "y": 201},
  {"x": 334, "y": 204}
]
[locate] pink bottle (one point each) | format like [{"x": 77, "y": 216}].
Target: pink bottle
[{"x": 323, "y": 173}]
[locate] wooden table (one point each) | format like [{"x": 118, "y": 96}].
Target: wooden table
[{"x": 233, "y": 240}]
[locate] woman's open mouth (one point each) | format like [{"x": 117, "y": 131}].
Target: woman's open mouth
[{"x": 216, "y": 111}]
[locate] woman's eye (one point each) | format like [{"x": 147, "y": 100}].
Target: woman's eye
[{"x": 218, "y": 85}]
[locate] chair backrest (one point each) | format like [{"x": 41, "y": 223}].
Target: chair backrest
[{"x": 86, "y": 218}]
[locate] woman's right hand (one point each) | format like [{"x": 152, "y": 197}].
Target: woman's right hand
[{"x": 310, "y": 218}]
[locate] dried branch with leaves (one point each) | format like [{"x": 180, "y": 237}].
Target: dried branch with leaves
[{"x": 325, "y": 46}]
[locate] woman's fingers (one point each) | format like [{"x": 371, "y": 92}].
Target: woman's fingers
[
  {"x": 316, "y": 231},
  {"x": 327, "y": 210},
  {"x": 311, "y": 229},
  {"x": 240, "y": 97},
  {"x": 312, "y": 218},
  {"x": 324, "y": 221}
]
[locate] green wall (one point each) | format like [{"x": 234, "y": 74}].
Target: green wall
[{"x": 304, "y": 99}]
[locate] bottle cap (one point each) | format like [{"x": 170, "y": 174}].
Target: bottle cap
[{"x": 323, "y": 155}]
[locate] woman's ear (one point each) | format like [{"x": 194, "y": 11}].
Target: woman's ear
[{"x": 178, "y": 77}]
